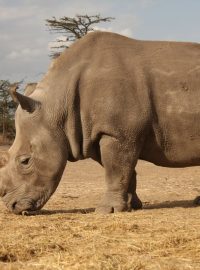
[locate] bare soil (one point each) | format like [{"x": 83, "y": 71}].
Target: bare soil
[{"x": 67, "y": 234}]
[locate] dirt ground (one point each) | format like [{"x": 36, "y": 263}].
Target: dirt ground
[{"x": 67, "y": 234}]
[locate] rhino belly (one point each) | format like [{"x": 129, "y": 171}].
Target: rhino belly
[{"x": 174, "y": 139}]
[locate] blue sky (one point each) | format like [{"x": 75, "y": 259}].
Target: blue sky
[{"x": 24, "y": 38}]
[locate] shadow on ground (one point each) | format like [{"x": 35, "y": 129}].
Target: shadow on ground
[
  {"x": 173, "y": 204},
  {"x": 146, "y": 206},
  {"x": 61, "y": 211}
]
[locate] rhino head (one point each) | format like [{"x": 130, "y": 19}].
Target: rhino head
[{"x": 37, "y": 158}]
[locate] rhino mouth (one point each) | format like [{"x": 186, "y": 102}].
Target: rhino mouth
[
  {"x": 18, "y": 207},
  {"x": 27, "y": 206}
]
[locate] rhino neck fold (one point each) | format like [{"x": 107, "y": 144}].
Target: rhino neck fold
[
  {"x": 74, "y": 136},
  {"x": 65, "y": 104},
  {"x": 73, "y": 123}
]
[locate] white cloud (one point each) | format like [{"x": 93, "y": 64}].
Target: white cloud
[
  {"x": 62, "y": 38},
  {"x": 13, "y": 13},
  {"x": 97, "y": 28},
  {"x": 59, "y": 42},
  {"x": 147, "y": 3},
  {"x": 126, "y": 32},
  {"x": 13, "y": 55},
  {"x": 24, "y": 54},
  {"x": 4, "y": 37}
]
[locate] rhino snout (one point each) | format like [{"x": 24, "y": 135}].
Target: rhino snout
[
  {"x": 20, "y": 205},
  {"x": 17, "y": 207}
]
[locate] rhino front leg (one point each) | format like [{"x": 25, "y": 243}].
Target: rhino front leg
[
  {"x": 134, "y": 200},
  {"x": 119, "y": 162}
]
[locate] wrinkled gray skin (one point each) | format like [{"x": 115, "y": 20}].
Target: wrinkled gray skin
[{"x": 112, "y": 99}]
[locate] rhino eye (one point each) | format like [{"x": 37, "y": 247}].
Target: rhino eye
[{"x": 24, "y": 160}]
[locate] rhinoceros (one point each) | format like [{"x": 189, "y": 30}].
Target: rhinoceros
[
  {"x": 30, "y": 87},
  {"x": 112, "y": 99}
]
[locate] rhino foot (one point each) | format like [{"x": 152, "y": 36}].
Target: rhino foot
[
  {"x": 136, "y": 203},
  {"x": 113, "y": 202},
  {"x": 110, "y": 209},
  {"x": 197, "y": 201}
]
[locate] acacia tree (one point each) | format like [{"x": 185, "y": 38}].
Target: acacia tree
[
  {"x": 7, "y": 110},
  {"x": 72, "y": 29}
]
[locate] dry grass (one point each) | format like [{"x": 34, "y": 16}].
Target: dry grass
[
  {"x": 165, "y": 235},
  {"x": 142, "y": 240}
]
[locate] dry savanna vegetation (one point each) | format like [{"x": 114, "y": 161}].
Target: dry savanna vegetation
[{"x": 67, "y": 234}]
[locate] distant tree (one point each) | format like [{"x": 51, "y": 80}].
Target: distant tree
[
  {"x": 7, "y": 110},
  {"x": 72, "y": 29}
]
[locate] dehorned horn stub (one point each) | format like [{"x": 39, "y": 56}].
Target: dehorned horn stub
[{"x": 27, "y": 103}]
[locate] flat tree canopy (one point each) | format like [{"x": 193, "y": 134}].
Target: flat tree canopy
[{"x": 72, "y": 29}]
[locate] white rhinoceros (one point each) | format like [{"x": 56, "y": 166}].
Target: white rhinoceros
[{"x": 112, "y": 99}]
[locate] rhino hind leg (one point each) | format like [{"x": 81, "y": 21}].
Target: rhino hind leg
[
  {"x": 136, "y": 203},
  {"x": 134, "y": 200},
  {"x": 119, "y": 162}
]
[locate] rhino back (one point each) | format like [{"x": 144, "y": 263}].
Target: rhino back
[{"x": 129, "y": 88}]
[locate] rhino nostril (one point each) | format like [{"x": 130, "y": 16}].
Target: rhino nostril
[{"x": 14, "y": 205}]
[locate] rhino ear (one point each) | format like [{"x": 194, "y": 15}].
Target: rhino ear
[
  {"x": 27, "y": 103},
  {"x": 30, "y": 88}
]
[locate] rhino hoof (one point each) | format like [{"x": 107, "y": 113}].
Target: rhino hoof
[
  {"x": 197, "y": 201},
  {"x": 136, "y": 205},
  {"x": 110, "y": 209}
]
